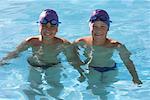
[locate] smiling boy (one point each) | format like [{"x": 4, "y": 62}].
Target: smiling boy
[
  {"x": 46, "y": 46},
  {"x": 103, "y": 48}
]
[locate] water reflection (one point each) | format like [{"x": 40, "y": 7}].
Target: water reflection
[
  {"x": 44, "y": 82},
  {"x": 98, "y": 82}
]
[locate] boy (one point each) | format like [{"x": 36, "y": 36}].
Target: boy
[
  {"x": 102, "y": 48},
  {"x": 45, "y": 49},
  {"x": 46, "y": 46}
]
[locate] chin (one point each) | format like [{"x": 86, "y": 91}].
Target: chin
[
  {"x": 99, "y": 37},
  {"x": 51, "y": 37}
]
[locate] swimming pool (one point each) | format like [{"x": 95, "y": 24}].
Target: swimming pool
[{"x": 131, "y": 24}]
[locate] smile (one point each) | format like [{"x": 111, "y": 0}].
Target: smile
[{"x": 98, "y": 34}]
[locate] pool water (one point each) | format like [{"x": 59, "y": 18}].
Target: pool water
[{"x": 130, "y": 25}]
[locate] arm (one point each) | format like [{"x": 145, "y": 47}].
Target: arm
[
  {"x": 72, "y": 57},
  {"x": 85, "y": 50},
  {"x": 22, "y": 47},
  {"x": 125, "y": 56}
]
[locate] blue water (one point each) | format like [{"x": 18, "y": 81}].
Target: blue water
[{"x": 131, "y": 26}]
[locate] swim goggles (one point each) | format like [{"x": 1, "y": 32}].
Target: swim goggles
[
  {"x": 99, "y": 18},
  {"x": 52, "y": 22}
]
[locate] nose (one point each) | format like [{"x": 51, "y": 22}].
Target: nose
[
  {"x": 97, "y": 30},
  {"x": 48, "y": 25}
]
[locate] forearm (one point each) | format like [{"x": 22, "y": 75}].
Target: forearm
[
  {"x": 22, "y": 47},
  {"x": 5, "y": 59},
  {"x": 125, "y": 56},
  {"x": 79, "y": 69},
  {"x": 81, "y": 72},
  {"x": 10, "y": 55},
  {"x": 131, "y": 68}
]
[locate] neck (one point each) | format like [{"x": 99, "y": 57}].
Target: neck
[
  {"x": 47, "y": 40},
  {"x": 99, "y": 42}
]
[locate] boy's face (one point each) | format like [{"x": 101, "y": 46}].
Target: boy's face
[
  {"x": 98, "y": 29},
  {"x": 48, "y": 30}
]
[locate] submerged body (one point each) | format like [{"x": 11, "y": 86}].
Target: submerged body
[
  {"x": 45, "y": 65},
  {"x": 45, "y": 54},
  {"x": 100, "y": 56},
  {"x": 99, "y": 49}
]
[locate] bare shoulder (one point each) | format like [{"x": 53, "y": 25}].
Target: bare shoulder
[
  {"x": 62, "y": 40},
  {"x": 113, "y": 43},
  {"x": 34, "y": 40},
  {"x": 86, "y": 40},
  {"x": 66, "y": 41},
  {"x": 120, "y": 47}
]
